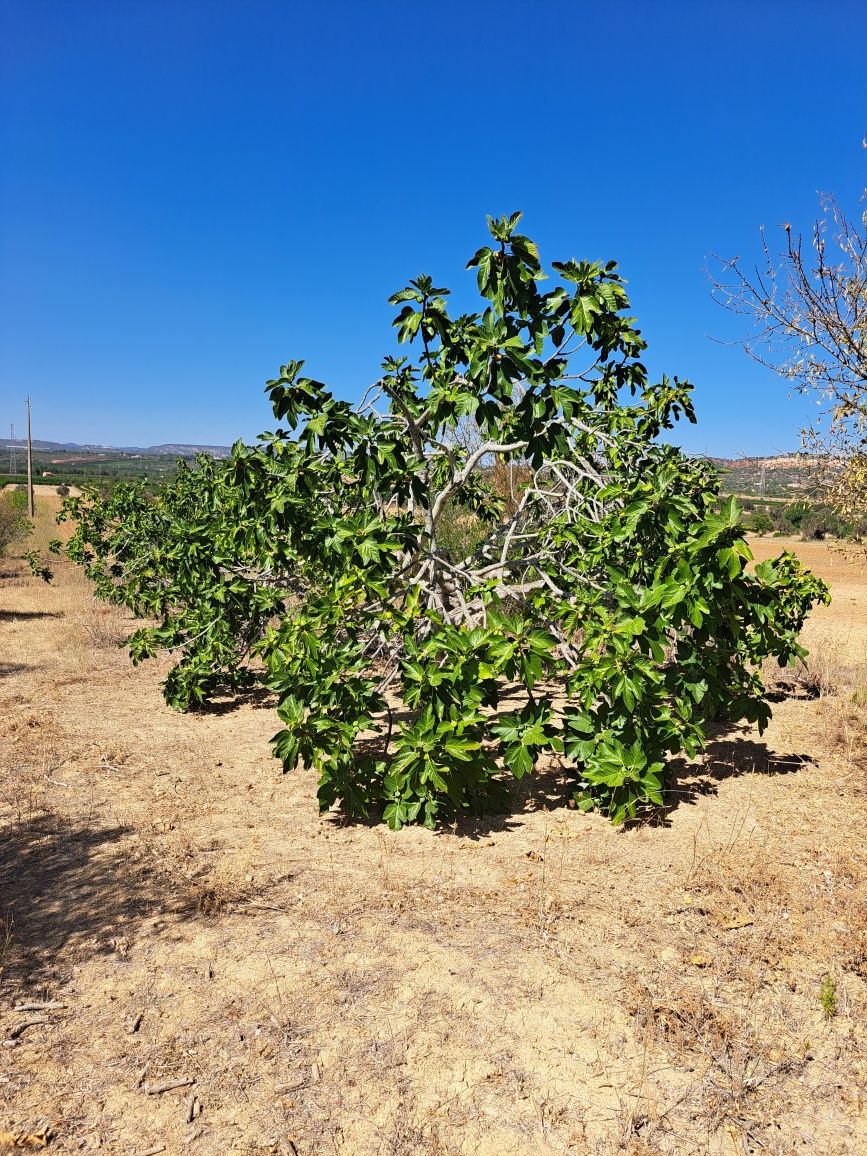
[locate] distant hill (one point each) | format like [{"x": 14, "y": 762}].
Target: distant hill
[
  {"x": 181, "y": 450},
  {"x": 780, "y": 476},
  {"x": 168, "y": 449}
]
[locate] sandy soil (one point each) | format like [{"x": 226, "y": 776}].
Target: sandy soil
[
  {"x": 42, "y": 491},
  {"x": 536, "y": 983}
]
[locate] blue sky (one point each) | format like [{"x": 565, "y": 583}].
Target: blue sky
[{"x": 193, "y": 192}]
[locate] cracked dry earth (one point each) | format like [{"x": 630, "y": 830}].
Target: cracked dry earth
[{"x": 539, "y": 983}]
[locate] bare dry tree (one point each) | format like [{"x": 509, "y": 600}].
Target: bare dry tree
[{"x": 808, "y": 310}]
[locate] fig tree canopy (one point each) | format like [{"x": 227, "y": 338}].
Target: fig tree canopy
[{"x": 490, "y": 559}]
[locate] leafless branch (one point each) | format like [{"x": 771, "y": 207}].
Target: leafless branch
[{"x": 809, "y": 315}]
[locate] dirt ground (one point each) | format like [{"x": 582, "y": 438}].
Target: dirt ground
[{"x": 539, "y": 983}]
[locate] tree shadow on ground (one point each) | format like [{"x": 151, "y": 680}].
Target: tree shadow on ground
[
  {"x": 229, "y": 701},
  {"x": 7, "y": 668},
  {"x": 71, "y": 892},
  {"x": 727, "y": 755},
  {"x": 12, "y": 615},
  {"x": 547, "y": 790},
  {"x": 66, "y": 893},
  {"x": 730, "y": 753},
  {"x": 800, "y": 692}
]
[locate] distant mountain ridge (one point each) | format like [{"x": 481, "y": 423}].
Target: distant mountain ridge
[
  {"x": 788, "y": 477},
  {"x": 174, "y": 449},
  {"x": 772, "y": 462},
  {"x": 775, "y": 475}
]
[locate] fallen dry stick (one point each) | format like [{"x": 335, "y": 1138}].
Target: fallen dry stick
[
  {"x": 169, "y": 1085},
  {"x": 737, "y": 924},
  {"x": 19, "y": 1029},
  {"x": 135, "y": 1023},
  {"x": 153, "y": 1151},
  {"x": 51, "y": 1005}
]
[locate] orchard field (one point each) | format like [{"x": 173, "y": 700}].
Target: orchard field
[{"x": 538, "y": 981}]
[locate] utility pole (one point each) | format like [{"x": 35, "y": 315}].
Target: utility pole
[
  {"x": 30, "y": 506},
  {"x": 13, "y": 465}
]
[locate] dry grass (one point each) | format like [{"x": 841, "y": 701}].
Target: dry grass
[
  {"x": 539, "y": 983},
  {"x": 838, "y": 683}
]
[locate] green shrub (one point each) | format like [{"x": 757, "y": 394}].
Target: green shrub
[
  {"x": 795, "y": 514},
  {"x": 822, "y": 521},
  {"x": 14, "y": 523}
]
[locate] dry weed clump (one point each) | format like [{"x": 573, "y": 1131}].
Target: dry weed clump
[
  {"x": 105, "y": 626},
  {"x": 839, "y": 685},
  {"x": 759, "y": 999},
  {"x": 824, "y": 675},
  {"x": 31, "y": 757},
  {"x": 733, "y": 884},
  {"x": 220, "y": 889},
  {"x": 7, "y": 925},
  {"x": 844, "y": 719},
  {"x": 209, "y": 889},
  {"x": 742, "y": 1062}
]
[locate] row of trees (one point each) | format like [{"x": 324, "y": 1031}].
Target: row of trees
[
  {"x": 811, "y": 520},
  {"x": 599, "y": 614}
]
